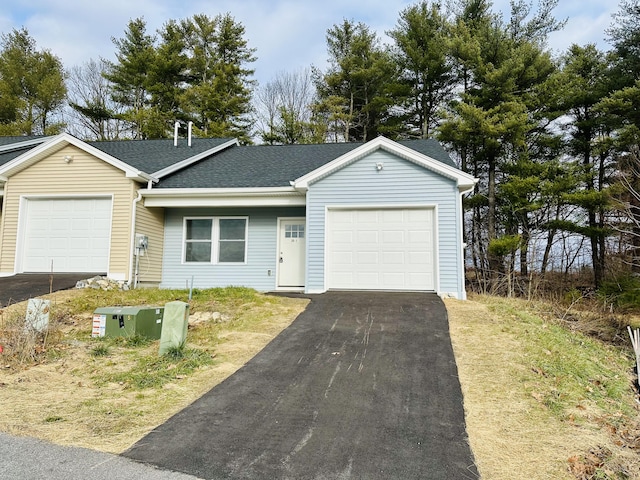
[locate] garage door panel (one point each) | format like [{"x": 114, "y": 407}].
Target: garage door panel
[
  {"x": 392, "y": 216},
  {"x": 74, "y": 234},
  {"x": 419, "y": 258},
  {"x": 367, "y": 278},
  {"x": 367, "y": 236},
  {"x": 368, "y": 258},
  {"x": 393, "y": 259},
  {"x": 366, "y": 216},
  {"x": 394, "y": 280},
  {"x": 385, "y": 249},
  {"x": 343, "y": 258}
]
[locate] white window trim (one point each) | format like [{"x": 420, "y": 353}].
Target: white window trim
[{"x": 215, "y": 239}]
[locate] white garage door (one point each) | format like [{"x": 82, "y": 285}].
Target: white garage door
[
  {"x": 73, "y": 233},
  {"x": 382, "y": 249}
]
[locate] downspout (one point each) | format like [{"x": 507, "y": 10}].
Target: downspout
[
  {"x": 462, "y": 283},
  {"x": 134, "y": 209}
]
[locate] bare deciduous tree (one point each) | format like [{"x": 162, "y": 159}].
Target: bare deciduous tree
[
  {"x": 92, "y": 110},
  {"x": 283, "y": 109}
]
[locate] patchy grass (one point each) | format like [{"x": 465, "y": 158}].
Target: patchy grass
[
  {"x": 106, "y": 393},
  {"x": 153, "y": 371},
  {"x": 548, "y": 393},
  {"x": 542, "y": 399}
]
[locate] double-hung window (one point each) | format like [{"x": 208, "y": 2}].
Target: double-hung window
[{"x": 215, "y": 240}]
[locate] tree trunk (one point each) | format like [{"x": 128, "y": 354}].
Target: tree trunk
[{"x": 494, "y": 261}]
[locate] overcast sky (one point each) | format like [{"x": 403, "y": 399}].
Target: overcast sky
[{"x": 288, "y": 34}]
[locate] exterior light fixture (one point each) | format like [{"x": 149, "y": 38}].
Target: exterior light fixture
[{"x": 379, "y": 166}]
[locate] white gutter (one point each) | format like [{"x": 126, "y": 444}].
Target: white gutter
[
  {"x": 217, "y": 197},
  {"x": 133, "y": 237}
]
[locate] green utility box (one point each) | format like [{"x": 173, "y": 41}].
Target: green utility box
[{"x": 128, "y": 321}]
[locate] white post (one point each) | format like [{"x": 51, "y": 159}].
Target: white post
[{"x": 635, "y": 341}]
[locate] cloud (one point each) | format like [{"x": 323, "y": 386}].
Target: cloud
[{"x": 288, "y": 35}]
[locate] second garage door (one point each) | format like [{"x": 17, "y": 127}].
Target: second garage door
[
  {"x": 381, "y": 249},
  {"x": 68, "y": 234}
]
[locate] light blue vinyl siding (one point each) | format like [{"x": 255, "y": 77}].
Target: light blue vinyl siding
[
  {"x": 261, "y": 250},
  {"x": 400, "y": 182}
]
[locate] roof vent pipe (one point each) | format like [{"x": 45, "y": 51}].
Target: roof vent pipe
[
  {"x": 175, "y": 134},
  {"x": 189, "y": 129}
]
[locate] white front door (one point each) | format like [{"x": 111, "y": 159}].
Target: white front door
[{"x": 291, "y": 254}]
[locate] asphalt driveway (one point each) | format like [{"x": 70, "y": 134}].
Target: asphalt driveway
[
  {"x": 360, "y": 386},
  {"x": 18, "y": 288}
]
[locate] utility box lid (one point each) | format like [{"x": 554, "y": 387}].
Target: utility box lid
[{"x": 128, "y": 321}]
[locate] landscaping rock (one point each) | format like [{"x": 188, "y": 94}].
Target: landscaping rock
[{"x": 102, "y": 283}]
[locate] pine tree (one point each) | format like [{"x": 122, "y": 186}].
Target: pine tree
[
  {"x": 218, "y": 97},
  {"x": 493, "y": 122},
  {"x": 130, "y": 79},
  {"x": 32, "y": 87},
  {"x": 422, "y": 44},
  {"x": 354, "y": 89}
]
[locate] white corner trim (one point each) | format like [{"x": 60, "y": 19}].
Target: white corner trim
[{"x": 188, "y": 161}]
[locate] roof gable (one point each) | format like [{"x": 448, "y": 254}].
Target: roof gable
[
  {"x": 141, "y": 160},
  {"x": 58, "y": 142},
  {"x": 463, "y": 180}
]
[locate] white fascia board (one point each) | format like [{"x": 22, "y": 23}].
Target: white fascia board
[
  {"x": 188, "y": 161},
  {"x": 61, "y": 141},
  {"x": 463, "y": 180},
  {"x": 217, "y": 197},
  {"x": 23, "y": 144}
]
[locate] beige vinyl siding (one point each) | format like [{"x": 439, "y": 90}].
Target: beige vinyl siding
[
  {"x": 150, "y": 222},
  {"x": 1, "y": 225},
  {"x": 84, "y": 175}
]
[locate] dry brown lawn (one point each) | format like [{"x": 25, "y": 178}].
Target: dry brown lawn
[
  {"x": 512, "y": 434},
  {"x": 61, "y": 400}
]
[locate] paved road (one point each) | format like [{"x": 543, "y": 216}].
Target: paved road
[
  {"x": 31, "y": 459},
  {"x": 18, "y": 288},
  {"x": 360, "y": 386}
]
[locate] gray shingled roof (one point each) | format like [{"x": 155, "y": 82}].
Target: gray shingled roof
[
  {"x": 7, "y": 156},
  {"x": 8, "y": 140},
  {"x": 234, "y": 167},
  {"x": 273, "y": 165},
  {"x": 150, "y": 156}
]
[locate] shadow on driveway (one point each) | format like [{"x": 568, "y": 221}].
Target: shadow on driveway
[
  {"x": 21, "y": 287},
  {"x": 360, "y": 386}
]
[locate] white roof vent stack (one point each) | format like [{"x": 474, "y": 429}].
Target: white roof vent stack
[
  {"x": 175, "y": 134},
  {"x": 189, "y": 129}
]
